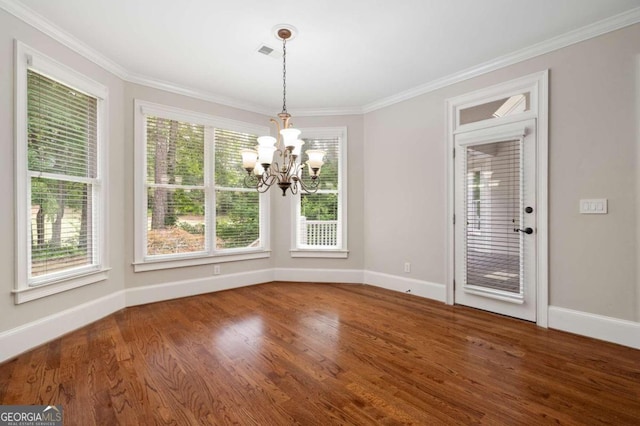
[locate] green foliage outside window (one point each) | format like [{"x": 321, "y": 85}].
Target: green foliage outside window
[
  {"x": 62, "y": 145},
  {"x": 175, "y": 158}
]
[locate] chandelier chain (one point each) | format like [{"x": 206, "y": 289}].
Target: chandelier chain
[{"x": 284, "y": 75}]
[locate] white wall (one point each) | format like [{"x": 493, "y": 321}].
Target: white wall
[{"x": 593, "y": 140}]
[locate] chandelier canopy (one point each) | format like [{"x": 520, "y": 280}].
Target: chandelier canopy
[{"x": 286, "y": 170}]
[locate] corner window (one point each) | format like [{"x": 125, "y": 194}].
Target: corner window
[
  {"x": 191, "y": 203},
  {"x": 320, "y": 225},
  {"x": 60, "y": 194}
]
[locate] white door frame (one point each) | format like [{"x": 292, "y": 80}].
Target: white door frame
[{"x": 537, "y": 85}]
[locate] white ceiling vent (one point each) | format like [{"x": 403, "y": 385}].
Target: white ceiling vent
[{"x": 269, "y": 51}]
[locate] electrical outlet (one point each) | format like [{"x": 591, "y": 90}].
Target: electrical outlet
[
  {"x": 407, "y": 267},
  {"x": 216, "y": 269}
]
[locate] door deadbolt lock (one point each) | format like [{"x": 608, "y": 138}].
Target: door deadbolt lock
[{"x": 528, "y": 210}]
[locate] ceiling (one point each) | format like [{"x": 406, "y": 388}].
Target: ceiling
[{"x": 347, "y": 56}]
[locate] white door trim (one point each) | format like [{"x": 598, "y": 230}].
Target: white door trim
[
  {"x": 538, "y": 86},
  {"x": 523, "y": 303}
]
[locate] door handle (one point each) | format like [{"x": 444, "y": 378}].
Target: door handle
[{"x": 527, "y": 231}]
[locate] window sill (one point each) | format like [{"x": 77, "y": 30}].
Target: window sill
[
  {"x": 154, "y": 265},
  {"x": 320, "y": 253},
  {"x": 43, "y": 290}
]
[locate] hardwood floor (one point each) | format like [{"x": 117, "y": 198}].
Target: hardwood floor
[{"x": 321, "y": 354}]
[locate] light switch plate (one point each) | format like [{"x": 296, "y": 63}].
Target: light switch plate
[{"x": 594, "y": 206}]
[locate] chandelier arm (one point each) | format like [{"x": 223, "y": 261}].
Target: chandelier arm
[
  {"x": 277, "y": 123},
  {"x": 263, "y": 188},
  {"x": 288, "y": 168},
  {"x": 274, "y": 169},
  {"x": 268, "y": 179},
  {"x": 251, "y": 180},
  {"x": 275, "y": 164},
  {"x": 310, "y": 187}
]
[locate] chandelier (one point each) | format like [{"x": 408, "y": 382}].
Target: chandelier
[{"x": 286, "y": 170}]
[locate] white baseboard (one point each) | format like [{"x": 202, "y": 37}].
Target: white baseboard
[
  {"x": 406, "y": 285},
  {"x": 348, "y": 276},
  {"x": 28, "y": 336},
  {"x": 610, "y": 329},
  {"x": 178, "y": 289}
]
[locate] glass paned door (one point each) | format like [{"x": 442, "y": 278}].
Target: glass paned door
[
  {"x": 495, "y": 219},
  {"x": 493, "y": 210}
]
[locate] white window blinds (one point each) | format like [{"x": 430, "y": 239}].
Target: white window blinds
[
  {"x": 196, "y": 201},
  {"x": 237, "y": 207},
  {"x": 493, "y": 216},
  {"x": 319, "y": 225},
  {"x": 62, "y": 172},
  {"x": 176, "y": 219}
]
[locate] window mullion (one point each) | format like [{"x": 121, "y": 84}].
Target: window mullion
[
  {"x": 240, "y": 189},
  {"x": 67, "y": 178},
  {"x": 174, "y": 186},
  {"x": 210, "y": 196}
]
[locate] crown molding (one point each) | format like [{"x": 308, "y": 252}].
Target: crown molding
[
  {"x": 37, "y": 21},
  {"x": 572, "y": 37},
  {"x": 323, "y": 112},
  {"x": 234, "y": 103},
  {"x": 48, "y": 28},
  {"x": 197, "y": 94}
]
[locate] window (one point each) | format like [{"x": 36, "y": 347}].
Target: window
[
  {"x": 59, "y": 122},
  {"x": 191, "y": 203},
  {"x": 504, "y": 107},
  {"x": 237, "y": 207},
  {"x": 320, "y": 218},
  {"x": 175, "y": 187}
]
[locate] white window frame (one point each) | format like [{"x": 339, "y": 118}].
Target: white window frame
[
  {"x": 341, "y": 249},
  {"x": 26, "y": 289},
  {"x": 143, "y": 262}
]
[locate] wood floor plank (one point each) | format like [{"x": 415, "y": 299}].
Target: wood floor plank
[
  {"x": 29, "y": 377},
  {"x": 6, "y": 378},
  {"x": 322, "y": 354}
]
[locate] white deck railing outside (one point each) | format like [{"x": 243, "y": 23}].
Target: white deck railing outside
[{"x": 318, "y": 232}]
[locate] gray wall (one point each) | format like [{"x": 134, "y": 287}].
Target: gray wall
[
  {"x": 281, "y": 207},
  {"x": 121, "y": 197},
  {"x": 396, "y": 179},
  {"x": 136, "y": 279},
  {"x": 593, "y": 140},
  {"x": 281, "y": 220},
  {"x": 12, "y": 315}
]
